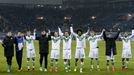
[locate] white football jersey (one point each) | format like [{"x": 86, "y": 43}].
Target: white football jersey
[
  {"x": 79, "y": 39},
  {"x": 67, "y": 42},
  {"x": 29, "y": 42},
  {"x": 93, "y": 40},
  {"x": 55, "y": 42},
  {"x": 126, "y": 42}
]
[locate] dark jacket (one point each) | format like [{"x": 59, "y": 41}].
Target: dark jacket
[
  {"x": 17, "y": 41},
  {"x": 8, "y": 44},
  {"x": 43, "y": 43},
  {"x": 110, "y": 43}
]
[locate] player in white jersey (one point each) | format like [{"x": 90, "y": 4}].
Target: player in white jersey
[
  {"x": 93, "y": 54},
  {"x": 30, "y": 50},
  {"x": 55, "y": 52},
  {"x": 126, "y": 50},
  {"x": 67, "y": 40},
  {"x": 80, "y": 52},
  {"x": 84, "y": 41}
]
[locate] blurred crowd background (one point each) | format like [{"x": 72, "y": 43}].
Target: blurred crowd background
[{"x": 95, "y": 14}]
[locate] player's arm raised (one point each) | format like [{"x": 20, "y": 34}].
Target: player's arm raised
[
  {"x": 72, "y": 32},
  {"x": 49, "y": 34},
  {"x": 131, "y": 36},
  {"x": 104, "y": 35},
  {"x": 98, "y": 36},
  {"x": 37, "y": 37},
  {"x": 60, "y": 32},
  {"x": 120, "y": 36},
  {"x": 85, "y": 34}
]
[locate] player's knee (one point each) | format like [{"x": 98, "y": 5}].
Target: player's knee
[
  {"x": 96, "y": 59},
  {"x": 82, "y": 60},
  {"x": 127, "y": 59},
  {"x": 33, "y": 59},
  {"x": 52, "y": 60},
  {"x": 107, "y": 61},
  {"x": 92, "y": 58},
  {"x": 65, "y": 60},
  {"x": 76, "y": 60},
  {"x": 123, "y": 59},
  {"x": 28, "y": 59},
  {"x": 56, "y": 60}
]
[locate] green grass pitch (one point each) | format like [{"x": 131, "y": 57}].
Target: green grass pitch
[{"x": 86, "y": 70}]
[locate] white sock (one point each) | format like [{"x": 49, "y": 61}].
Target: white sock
[
  {"x": 33, "y": 64},
  {"x": 28, "y": 66},
  {"x": 126, "y": 64},
  {"x": 56, "y": 64},
  {"x": 98, "y": 66},
  {"x": 82, "y": 63},
  {"x": 65, "y": 63},
  {"x": 92, "y": 66}
]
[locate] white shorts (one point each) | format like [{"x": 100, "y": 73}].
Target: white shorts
[
  {"x": 55, "y": 54},
  {"x": 126, "y": 54},
  {"x": 93, "y": 53},
  {"x": 80, "y": 53},
  {"x": 31, "y": 53},
  {"x": 66, "y": 54},
  {"x": 110, "y": 57}
]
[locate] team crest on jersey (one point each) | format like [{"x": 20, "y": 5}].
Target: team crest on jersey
[
  {"x": 66, "y": 39},
  {"x": 55, "y": 39},
  {"x": 126, "y": 40},
  {"x": 93, "y": 39},
  {"x": 29, "y": 40},
  {"x": 80, "y": 38}
]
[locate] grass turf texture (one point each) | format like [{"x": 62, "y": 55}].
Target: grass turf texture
[{"x": 86, "y": 70}]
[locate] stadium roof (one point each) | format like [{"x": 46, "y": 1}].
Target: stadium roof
[
  {"x": 66, "y": 3},
  {"x": 53, "y": 2},
  {"x": 58, "y": 1}
]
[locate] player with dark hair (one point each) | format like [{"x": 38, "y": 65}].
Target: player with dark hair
[{"x": 80, "y": 52}]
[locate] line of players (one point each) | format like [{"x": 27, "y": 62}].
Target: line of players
[{"x": 80, "y": 46}]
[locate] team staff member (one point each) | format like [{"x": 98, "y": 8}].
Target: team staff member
[
  {"x": 8, "y": 44},
  {"x": 110, "y": 47},
  {"x": 44, "y": 48},
  {"x": 19, "y": 49}
]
